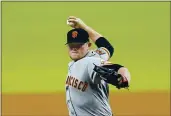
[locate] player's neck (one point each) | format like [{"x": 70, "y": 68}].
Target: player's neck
[
  {"x": 86, "y": 54},
  {"x": 82, "y": 57}
]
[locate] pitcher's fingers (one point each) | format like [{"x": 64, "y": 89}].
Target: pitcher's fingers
[
  {"x": 71, "y": 20},
  {"x": 72, "y": 17}
]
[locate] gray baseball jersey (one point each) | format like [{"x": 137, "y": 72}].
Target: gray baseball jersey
[{"x": 86, "y": 93}]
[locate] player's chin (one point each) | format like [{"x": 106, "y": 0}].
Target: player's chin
[{"x": 74, "y": 57}]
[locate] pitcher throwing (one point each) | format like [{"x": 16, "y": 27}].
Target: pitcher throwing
[{"x": 90, "y": 71}]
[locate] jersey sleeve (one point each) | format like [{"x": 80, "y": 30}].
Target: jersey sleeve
[
  {"x": 103, "y": 53},
  {"x": 92, "y": 74}
]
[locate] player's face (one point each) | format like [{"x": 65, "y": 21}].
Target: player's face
[{"x": 78, "y": 50}]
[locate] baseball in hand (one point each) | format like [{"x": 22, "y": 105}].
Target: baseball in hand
[{"x": 70, "y": 23}]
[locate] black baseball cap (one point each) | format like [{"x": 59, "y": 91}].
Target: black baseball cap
[{"x": 77, "y": 35}]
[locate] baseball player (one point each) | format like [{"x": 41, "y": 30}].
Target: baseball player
[{"x": 90, "y": 71}]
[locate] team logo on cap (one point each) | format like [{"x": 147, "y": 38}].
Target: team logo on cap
[{"x": 74, "y": 34}]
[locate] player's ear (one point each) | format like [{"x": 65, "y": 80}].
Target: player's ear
[{"x": 89, "y": 44}]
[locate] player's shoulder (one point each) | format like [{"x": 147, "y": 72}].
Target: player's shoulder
[
  {"x": 92, "y": 60},
  {"x": 103, "y": 53},
  {"x": 70, "y": 63}
]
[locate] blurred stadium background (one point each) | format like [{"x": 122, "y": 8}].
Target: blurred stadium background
[{"x": 34, "y": 57}]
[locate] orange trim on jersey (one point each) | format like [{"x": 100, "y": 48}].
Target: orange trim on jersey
[{"x": 106, "y": 51}]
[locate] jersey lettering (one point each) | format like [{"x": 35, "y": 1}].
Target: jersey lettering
[
  {"x": 70, "y": 80},
  {"x": 76, "y": 83},
  {"x": 85, "y": 87},
  {"x": 67, "y": 81},
  {"x": 73, "y": 82},
  {"x": 80, "y": 85}
]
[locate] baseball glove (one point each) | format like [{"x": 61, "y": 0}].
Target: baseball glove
[{"x": 111, "y": 76}]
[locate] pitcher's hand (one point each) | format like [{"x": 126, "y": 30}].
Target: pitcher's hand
[{"x": 75, "y": 22}]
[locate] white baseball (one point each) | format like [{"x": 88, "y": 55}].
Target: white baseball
[{"x": 70, "y": 23}]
